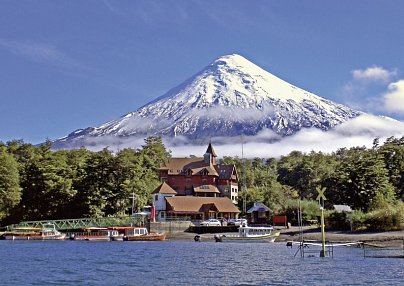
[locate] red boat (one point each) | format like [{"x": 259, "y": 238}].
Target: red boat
[{"x": 141, "y": 234}]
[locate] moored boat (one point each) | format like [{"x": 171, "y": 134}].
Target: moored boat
[
  {"x": 141, "y": 234},
  {"x": 250, "y": 234},
  {"x": 97, "y": 234},
  {"x": 92, "y": 234},
  {"x": 46, "y": 232}
]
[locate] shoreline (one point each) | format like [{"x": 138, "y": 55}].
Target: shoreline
[
  {"x": 382, "y": 238},
  {"x": 313, "y": 233}
]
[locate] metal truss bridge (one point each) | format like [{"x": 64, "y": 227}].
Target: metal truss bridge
[{"x": 80, "y": 223}]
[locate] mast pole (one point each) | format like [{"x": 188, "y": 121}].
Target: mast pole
[
  {"x": 243, "y": 179},
  {"x": 321, "y": 198},
  {"x": 322, "y": 253}
]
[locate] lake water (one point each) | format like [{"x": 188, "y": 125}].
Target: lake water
[{"x": 187, "y": 263}]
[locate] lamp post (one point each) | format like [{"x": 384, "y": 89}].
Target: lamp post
[{"x": 133, "y": 202}]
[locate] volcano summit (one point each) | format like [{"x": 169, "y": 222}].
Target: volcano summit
[{"x": 230, "y": 97}]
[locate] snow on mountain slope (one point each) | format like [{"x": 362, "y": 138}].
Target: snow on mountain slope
[{"x": 230, "y": 97}]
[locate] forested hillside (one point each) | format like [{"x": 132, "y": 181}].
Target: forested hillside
[
  {"x": 370, "y": 181},
  {"x": 37, "y": 183}
]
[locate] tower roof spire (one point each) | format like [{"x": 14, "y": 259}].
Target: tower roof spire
[{"x": 210, "y": 150}]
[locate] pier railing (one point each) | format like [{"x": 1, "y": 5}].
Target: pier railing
[{"x": 80, "y": 223}]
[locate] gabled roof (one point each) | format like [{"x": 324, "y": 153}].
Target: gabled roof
[
  {"x": 191, "y": 204},
  {"x": 259, "y": 207},
  {"x": 164, "y": 188},
  {"x": 206, "y": 189},
  {"x": 226, "y": 171},
  {"x": 208, "y": 207},
  {"x": 177, "y": 166}
]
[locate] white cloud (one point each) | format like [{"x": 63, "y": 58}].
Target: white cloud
[
  {"x": 374, "y": 74},
  {"x": 363, "y": 90},
  {"x": 394, "y": 97},
  {"x": 42, "y": 53},
  {"x": 360, "y": 131}
]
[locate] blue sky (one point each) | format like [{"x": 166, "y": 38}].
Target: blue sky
[{"x": 66, "y": 65}]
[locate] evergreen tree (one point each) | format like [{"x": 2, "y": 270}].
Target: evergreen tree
[
  {"x": 96, "y": 188},
  {"x": 361, "y": 178},
  {"x": 10, "y": 191},
  {"x": 46, "y": 185},
  {"x": 393, "y": 154}
]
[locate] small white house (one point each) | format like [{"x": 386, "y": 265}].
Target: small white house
[{"x": 159, "y": 199}]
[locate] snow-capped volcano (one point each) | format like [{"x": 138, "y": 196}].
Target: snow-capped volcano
[{"x": 230, "y": 97}]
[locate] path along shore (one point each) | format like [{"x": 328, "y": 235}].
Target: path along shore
[{"x": 314, "y": 233}]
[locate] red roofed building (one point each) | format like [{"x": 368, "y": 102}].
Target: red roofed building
[{"x": 194, "y": 178}]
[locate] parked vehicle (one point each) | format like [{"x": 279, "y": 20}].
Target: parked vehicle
[
  {"x": 210, "y": 222},
  {"x": 237, "y": 222}
]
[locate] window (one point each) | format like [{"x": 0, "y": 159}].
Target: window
[
  {"x": 156, "y": 197},
  {"x": 163, "y": 214}
]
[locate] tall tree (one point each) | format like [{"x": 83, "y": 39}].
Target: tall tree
[
  {"x": 47, "y": 187},
  {"x": 361, "y": 177},
  {"x": 393, "y": 154},
  {"x": 96, "y": 189},
  {"x": 10, "y": 191}
]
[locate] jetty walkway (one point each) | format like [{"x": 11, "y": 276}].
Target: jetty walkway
[{"x": 80, "y": 223}]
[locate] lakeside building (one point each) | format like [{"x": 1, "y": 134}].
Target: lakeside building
[{"x": 197, "y": 187}]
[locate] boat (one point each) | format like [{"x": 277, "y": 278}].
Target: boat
[
  {"x": 141, "y": 234},
  {"x": 46, "y": 232},
  {"x": 95, "y": 234},
  {"x": 250, "y": 234}
]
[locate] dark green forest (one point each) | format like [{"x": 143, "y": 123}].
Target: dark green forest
[{"x": 37, "y": 183}]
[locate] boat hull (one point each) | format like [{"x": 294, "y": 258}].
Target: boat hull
[
  {"x": 33, "y": 237},
  {"x": 237, "y": 238},
  {"x": 147, "y": 237},
  {"x": 91, "y": 238}
]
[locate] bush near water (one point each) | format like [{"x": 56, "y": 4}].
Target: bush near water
[{"x": 37, "y": 183}]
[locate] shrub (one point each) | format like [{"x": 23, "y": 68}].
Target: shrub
[
  {"x": 391, "y": 217},
  {"x": 310, "y": 210},
  {"x": 338, "y": 221}
]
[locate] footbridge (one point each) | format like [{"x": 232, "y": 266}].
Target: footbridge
[{"x": 80, "y": 223}]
